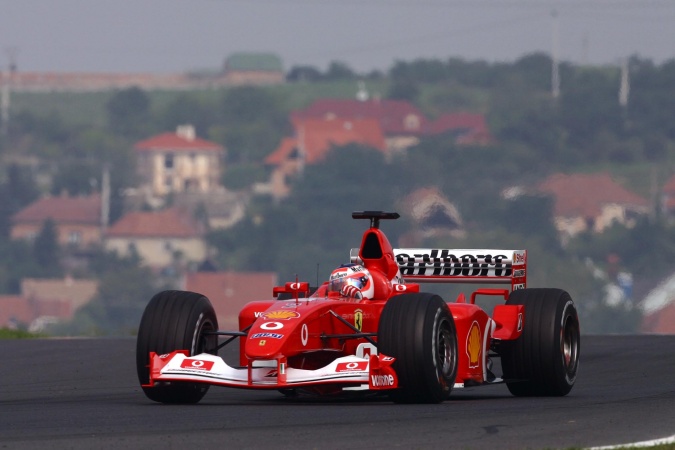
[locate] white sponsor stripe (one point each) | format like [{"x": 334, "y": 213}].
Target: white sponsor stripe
[{"x": 662, "y": 441}]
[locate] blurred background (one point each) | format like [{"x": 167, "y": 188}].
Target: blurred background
[{"x": 220, "y": 147}]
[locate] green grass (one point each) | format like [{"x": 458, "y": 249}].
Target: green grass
[
  {"x": 6, "y": 333},
  {"x": 73, "y": 108}
]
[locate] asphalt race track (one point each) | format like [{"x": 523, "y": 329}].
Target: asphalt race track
[{"x": 83, "y": 394}]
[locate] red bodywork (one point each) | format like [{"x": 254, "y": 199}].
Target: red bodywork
[{"x": 326, "y": 343}]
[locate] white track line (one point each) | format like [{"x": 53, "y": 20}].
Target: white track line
[{"x": 662, "y": 441}]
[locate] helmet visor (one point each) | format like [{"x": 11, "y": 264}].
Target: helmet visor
[{"x": 338, "y": 284}]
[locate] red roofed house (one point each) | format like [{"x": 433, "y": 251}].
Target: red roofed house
[
  {"x": 15, "y": 310},
  {"x": 402, "y": 122},
  {"x": 77, "y": 220},
  {"x": 433, "y": 214},
  {"x": 161, "y": 238},
  {"x": 179, "y": 162},
  {"x": 230, "y": 291},
  {"x": 591, "y": 202},
  {"x": 469, "y": 128},
  {"x": 312, "y": 140},
  {"x": 56, "y": 299}
]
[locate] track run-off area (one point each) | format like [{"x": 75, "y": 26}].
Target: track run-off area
[{"x": 84, "y": 393}]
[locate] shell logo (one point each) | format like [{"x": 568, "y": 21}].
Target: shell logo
[
  {"x": 473, "y": 345},
  {"x": 284, "y": 315}
]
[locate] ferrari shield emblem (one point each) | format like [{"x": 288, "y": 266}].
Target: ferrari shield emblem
[{"x": 358, "y": 319}]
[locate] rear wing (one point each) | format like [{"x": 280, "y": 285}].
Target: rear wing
[{"x": 493, "y": 266}]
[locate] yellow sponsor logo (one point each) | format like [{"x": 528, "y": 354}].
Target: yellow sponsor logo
[
  {"x": 474, "y": 345},
  {"x": 283, "y": 315},
  {"x": 262, "y": 342}
]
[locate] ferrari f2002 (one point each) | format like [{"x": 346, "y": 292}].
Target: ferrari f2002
[{"x": 371, "y": 328}]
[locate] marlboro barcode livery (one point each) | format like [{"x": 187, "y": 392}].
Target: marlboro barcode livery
[{"x": 371, "y": 328}]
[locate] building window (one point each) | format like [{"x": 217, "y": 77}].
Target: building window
[
  {"x": 74, "y": 237},
  {"x": 168, "y": 161},
  {"x": 412, "y": 122}
]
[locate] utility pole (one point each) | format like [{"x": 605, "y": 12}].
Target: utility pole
[
  {"x": 5, "y": 90},
  {"x": 105, "y": 198},
  {"x": 584, "y": 50},
  {"x": 624, "y": 90},
  {"x": 555, "y": 74}
]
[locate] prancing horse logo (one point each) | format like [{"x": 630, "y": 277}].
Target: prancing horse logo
[{"x": 358, "y": 319}]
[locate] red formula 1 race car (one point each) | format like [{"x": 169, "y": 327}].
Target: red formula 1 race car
[{"x": 369, "y": 328}]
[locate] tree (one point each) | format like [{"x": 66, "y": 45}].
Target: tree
[
  {"x": 420, "y": 70},
  {"x": 47, "y": 127},
  {"x": 243, "y": 175},
  {"x": 338, "y": 70},
  {"x": 650, "y": 108},
  {"x": 16, "y": 263},
  {"x": 254, "y": 122},
  {"x": 46, "y": 248},
  {"x": 304, "y": 73},
  {"x": 129, "y": 112},
  {"x": 588, "y": 105},
  {"x": 313, "y": 226},
  {"x": 18, "y": 191},
  {"x": 189, "y": 109},
  {"x": 535, "y": 70},
  {"x": 125, "y": 287},
  {"x": 75, "y": 178},
  {"x": 531, "y": 215},
  {"x": 403, "y": 89},
  {"x": 122, "y": 296}
]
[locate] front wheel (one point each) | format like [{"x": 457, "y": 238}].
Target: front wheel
[
  {"x": 419, "y": 331},
  {"x": 175, "y": 320},
  {"x": 544, "y": 360}
]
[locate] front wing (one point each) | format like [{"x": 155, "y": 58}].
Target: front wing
[{"x": 375, "y": 372}]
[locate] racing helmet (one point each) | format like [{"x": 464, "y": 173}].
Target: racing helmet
[{"x": 352, "y": 275}]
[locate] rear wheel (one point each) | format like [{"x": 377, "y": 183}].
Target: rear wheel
[
  {"x": 419, "y": 331},
  {"x": 544, "y": 360},
  {"x": 175, "y": 320}
]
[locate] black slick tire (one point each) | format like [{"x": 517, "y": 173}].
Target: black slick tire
[
  {"x": 175, "y": 320},
  {"x": 419, "y": 331},
  {"x": 544, "y": 360}
]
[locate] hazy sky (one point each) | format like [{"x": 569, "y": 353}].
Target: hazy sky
[{"x": 164, "y": 36}]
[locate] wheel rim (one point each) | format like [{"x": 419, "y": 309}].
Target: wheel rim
[
  {"x": 446, "y": 350},
  {"x": 569, "y": 343},
  {"x": 207, "y": 342}
]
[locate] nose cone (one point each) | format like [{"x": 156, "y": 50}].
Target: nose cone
[{"x": 272, "y": 334}]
